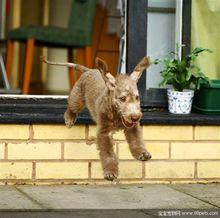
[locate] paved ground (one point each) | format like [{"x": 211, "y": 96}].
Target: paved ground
[{"x": 99, "y": 201}]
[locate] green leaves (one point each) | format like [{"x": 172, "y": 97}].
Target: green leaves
[{"x": 182, "y": 73}]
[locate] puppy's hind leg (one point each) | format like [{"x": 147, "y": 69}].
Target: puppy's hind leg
[
  {"x": 75, "y": 104},
  {"x": 106, "y": 152}
]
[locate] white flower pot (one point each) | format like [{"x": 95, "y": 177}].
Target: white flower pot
[{"x": 180, "y": 102}]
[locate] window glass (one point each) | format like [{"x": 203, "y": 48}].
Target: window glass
[{"x": 161, "y": 34}]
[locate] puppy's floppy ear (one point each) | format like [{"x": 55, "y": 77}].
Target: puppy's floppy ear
[
  {"x": 141, "y": 66},
  {"x": 101, "y": 64},
  {"x": 106, "y": 75}
]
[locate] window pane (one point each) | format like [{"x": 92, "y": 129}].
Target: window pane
[{"x": 160, "y": 37}]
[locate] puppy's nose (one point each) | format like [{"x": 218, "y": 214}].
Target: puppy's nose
[{"x": 135, "y": 117}]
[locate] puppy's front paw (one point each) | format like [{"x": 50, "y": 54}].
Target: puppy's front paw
[
  {"x": 110, "y": 176},
  {"x": 144, "y": 156},
  {"x": 69, "y": 122},
  {"x": 70, "y": 119}
]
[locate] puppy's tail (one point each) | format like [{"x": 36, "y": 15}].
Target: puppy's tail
[{"x": 78, "y": 67}]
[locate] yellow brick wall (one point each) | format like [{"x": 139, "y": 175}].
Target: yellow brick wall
[{"x": 54, "y": 154}]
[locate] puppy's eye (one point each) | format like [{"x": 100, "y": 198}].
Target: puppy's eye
[
  {"x": 137, "y": 97},
  {"x": 122, "y": 99}
]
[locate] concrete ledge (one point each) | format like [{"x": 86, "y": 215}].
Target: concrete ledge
[{"x": 49, "y": 109}]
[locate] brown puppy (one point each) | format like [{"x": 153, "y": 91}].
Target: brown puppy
[{"x": 114, "y": 104}]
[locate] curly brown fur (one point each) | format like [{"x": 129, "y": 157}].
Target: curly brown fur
[{"x": 114, "y": 104}]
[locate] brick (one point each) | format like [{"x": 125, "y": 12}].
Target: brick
[
  {"x": 130, "y": 169},
  {"x": 208, "y": 169},
  {"x": 14, "y": 170},
  {"x": 124, "y": 152},
  {"x": 158, "y": 150},
  {"x": 96, "y": 170},
  {"x": 92, "y": 131},
  {"x": 207, "y": 132},
  {"x": 80, "y": 151},
  {"x": 158, "y": 132},
  {"x": 138, "y": 181},
  {"x": 127, "y": 169},
  {"x": 34, "y": 151},
  {"x": 2, "y": 151},
  {"x": 184, "y": 181},
  {"x": 194, "y": 150},
  {"x": 11, "y": 131},
  {"x": 162, "y": 169},
  {"x": 59, "y": 132},
  {"x": 62, "y": 170},
  {"x": 119, "y": 135}
]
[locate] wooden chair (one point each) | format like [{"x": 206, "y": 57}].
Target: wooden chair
[{"x": 77, "y": 35}]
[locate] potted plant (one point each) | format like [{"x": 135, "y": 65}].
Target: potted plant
[{"x": 184, "y": 76}]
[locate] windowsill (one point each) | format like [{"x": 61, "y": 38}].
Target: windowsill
[
  {"x": 159, "y": 118},
  {"x": 51, "y": 110},
  {"x": 166, "y": 118}
]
